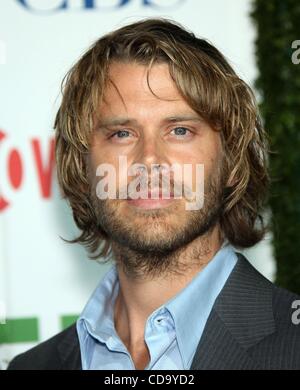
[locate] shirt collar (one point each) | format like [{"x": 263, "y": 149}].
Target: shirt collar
[
  {"x": 191, "y": 307},
  {"x": 98, "y": 314}
]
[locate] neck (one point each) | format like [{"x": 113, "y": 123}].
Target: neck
[{"x": 140, "y": 295}]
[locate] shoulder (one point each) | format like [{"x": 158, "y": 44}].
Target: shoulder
[
  {"x": 48, "y": 355},
  {"x": 281, "y": 349},
  {"x": 266, "y": 317},
  {"x": 286, "y": 310}
]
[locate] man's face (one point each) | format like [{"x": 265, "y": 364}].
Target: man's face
[{"x": 153, "y": 127}]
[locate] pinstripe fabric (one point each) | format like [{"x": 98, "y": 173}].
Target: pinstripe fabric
[{"x": 249, "y": 328}]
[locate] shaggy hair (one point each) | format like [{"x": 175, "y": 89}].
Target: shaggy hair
[{"x": 208, "y": 84}]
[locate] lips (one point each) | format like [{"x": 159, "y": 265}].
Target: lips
[
  {"x": 152, "y": 203},
  {"x": 157, "y": 195}
]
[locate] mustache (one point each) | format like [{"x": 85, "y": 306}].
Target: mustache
[{"x": 165, "y": 187}]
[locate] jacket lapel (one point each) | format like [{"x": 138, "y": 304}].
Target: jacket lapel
[
  {"x": 69, "y": 351},
  {"x": 241, "y": 317}
]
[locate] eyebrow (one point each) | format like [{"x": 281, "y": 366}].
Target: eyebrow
[{"x": 127, "y": 121}]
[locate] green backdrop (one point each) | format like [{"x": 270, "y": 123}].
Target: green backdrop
[{"x": 278, "y": 25}]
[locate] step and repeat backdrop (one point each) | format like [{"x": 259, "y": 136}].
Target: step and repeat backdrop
[{"x": 45, "y": 282}]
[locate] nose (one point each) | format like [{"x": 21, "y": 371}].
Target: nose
[{"x": 151, "y": 151}]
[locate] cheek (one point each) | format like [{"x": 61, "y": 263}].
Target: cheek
[
  {"x": 114, "y": 163},
  {"x": 96, "y": 159},
  {"x": 100, "y": 154},
  {"x": 204, "y": 162}
]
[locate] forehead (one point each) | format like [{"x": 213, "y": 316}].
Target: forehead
[{"x": 129, "y": 88}]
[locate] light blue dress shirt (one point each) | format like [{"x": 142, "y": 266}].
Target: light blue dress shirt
[{"x": 172, "y": 331}]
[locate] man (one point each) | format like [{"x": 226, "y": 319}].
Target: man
[{"x": 178, "y": 296}]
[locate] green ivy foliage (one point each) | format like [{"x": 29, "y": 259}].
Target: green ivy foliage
[{"x": 278, "y": 25}]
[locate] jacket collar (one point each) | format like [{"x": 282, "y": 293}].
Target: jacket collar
[{"x": 241, "y": 317}]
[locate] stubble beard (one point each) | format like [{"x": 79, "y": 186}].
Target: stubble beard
[{"x": 151, "y": 243}]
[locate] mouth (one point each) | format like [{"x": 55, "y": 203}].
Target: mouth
[{"x": 155, "y": 201}]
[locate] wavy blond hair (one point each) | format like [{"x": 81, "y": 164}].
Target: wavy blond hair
[{"x": 209, "y": 85}]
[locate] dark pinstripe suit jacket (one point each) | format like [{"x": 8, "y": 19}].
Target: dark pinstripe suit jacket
[{"x": 249, "y": 328}]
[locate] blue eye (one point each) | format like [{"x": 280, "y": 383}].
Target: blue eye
[
  {"x": 121, "y": 133},
  {"x": 181, "y": 131}
]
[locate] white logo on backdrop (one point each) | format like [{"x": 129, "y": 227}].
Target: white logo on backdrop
[{"x": 104, "y": 5}]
